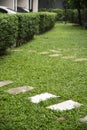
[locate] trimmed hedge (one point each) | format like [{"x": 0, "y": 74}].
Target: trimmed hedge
[
  {"x": 8, "y": 31},
  {"x": 71, "y": 15},
  {"x": 20, "y": 28},
  {"x": 59, "y": 12},
  {"x": 47, "y": 21},
  {"x": 28, "y": 24}
]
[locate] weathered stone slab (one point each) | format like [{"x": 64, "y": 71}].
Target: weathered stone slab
[
  {"x": 44, "y": 53},
  {"x": 81, "y": 59},
  {"x": 67, "y": 105},
  {"x": 55, "y": 51},
  {"x": 3, "y": 83},
  {"x": 42, "y": 97},
  {"x": 18, "y": 90},
  {"x": 55, "y": 55},
  {"x": 68, "y": 57},
  {"x": 30, "y": 51},
  {"x": 17, "y": 50},
  {"x": 84, "y": 119}
]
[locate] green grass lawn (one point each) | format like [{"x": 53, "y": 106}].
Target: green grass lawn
[{"x": 64, "y": 77}]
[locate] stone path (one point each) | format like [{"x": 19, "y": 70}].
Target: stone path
[
  {"x": 19, "y": 89},
  {"x": 3, "y": 83},
  {"x": 57, "y": 53},
  {"x": 42, "y": 97},
  {"x": 66, "y": 105}
]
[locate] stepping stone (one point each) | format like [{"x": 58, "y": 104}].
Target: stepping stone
[
  {"x": 55, "y": 51},
  {"x": 81, "y": 59},
  {"x": 68, "y": 57},
  {"x": 83, "y": 119},
  {"x": 55, "y": 55},
  {"x": 18, "y": 90},
  {"x": 30, "y": 51},
  {"x": 3, "y": 83},
  {"x": 17, "y": 50},
  {"x": 42, "y": 97},
  {"x": 67, "y": 105},
  {"x": 43, "y": 53}
]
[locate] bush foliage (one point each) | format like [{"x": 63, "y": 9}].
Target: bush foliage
[
  {"x": 71, "y": 15},
  {"x": 8, "y": 31},
  {"x": 20, "y": 28},
  {"x": 28, "y": 24},
  {"x": 47, "y": 21},
  {"x": 59, "y": 12}
]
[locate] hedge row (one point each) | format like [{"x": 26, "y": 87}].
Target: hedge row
[
  {"x": 71, "y": 15},
  {"x": 47, "y": 21},
  {"x": 27, "y": 26},
  {"x": 20, "y": 28},
  {"x": 8, "y": 31}
]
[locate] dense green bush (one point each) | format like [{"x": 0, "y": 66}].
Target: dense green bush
[
  {"x": 71, "y": 15},
  {"x": 59, "y": 12},
  {"x": 8, "y": 31},
  {"x": 27, "y": 26},
  {"x": 84, "y": 18},
  {"x": 47, "y": 21},
  {"x": 20, "y": 28}
]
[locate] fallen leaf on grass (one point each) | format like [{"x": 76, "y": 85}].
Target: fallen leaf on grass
[{"x": 61, "y": 118}]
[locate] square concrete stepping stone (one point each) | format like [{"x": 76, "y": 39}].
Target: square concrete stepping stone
[
  {"x": 84, "y": 119},
  {"x": 44, "y": 53},
  {"x": 55, "y": 51},
  {"x": 30, "y": 51},
  {"x": 3, "y": 83},
  {"x": 17, "y": 50},
  {"x": 68, "y": 57},
  {"x": 67, "y": 105},
  {"x": 18, "y": 90},
  {"x": 55, "y": 55},
  {"x": 42, "y": 97},
  {"x": 81, "y": 59}
]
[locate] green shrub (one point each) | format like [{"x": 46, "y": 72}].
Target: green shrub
[
  {"x": 47, "y": 21},
  {"x": 59, "y": 12},
  {"x": 8, "y": 31},
  {"x": 42, "y": 10},
  {"x": 20, "y": 28},
  {"x": 27, "y": 26},
  {"x": 84, "y": 18}
]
